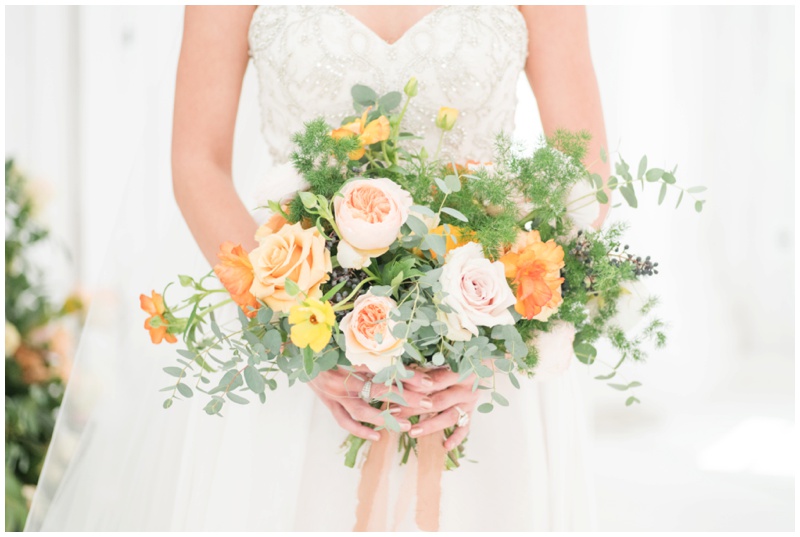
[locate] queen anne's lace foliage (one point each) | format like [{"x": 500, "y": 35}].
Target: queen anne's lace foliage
[{"x": 468, "y": 57}]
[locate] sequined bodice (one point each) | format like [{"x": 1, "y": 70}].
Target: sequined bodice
[{"x": 466, "y": 57}]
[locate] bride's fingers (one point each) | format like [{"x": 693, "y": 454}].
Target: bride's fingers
[
  {"x": 453, "y": 396},
  {"x": 347, "y": 423},
  {"x": 457, "y": 437},
  {"x": 412, "y": 398},
  {"x": 438, "y": 423},
  {"x": 361, "y": 411},
  {"x": 420, "y": 382},
  {"x": 444, "y": 378}
]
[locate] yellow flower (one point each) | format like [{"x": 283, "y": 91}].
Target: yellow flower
[
  {"x": 312, "y": 322},
  {"x": 375, "y": 131},
  {"x": 446, "y": 118}
]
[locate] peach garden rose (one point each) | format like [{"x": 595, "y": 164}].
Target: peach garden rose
[
  {"x": 291, "y": 252},
  {"x": 368, "y": 333},
  {"x": 369, "y": 214}
]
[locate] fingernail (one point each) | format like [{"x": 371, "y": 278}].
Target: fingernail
[
  {"x": 415, "y": 432},
  {"x": 375, "y": 437},
  {"x": 395, "y": 410},
  {"x": 426, "y": 403},
  {"x": 405, "y": 426},
  {"x": 426, "y": 382}
]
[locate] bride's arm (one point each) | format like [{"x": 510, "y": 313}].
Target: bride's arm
[
  {"x": 562, "y": 77},
  {"x": 211, "y": 67},
  {"x": 210, "y": 71}
]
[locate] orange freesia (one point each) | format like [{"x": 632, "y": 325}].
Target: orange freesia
[
  {"x": 534, "y": 267},
  {"x": 156, "y": 324},
  {"x": 461, "y": 238},
  {"x": 375, "y": 131},
  {"x": 236, "y": 273}
]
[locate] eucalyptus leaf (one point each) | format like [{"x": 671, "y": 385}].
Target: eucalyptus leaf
[
  {"x": 454, "y": 213},
  {"x": 254, "y": 380},
  {"x": 390, "y": 101},
  {"x": 629, "y": 195},
  {"x": 238, "y": 399},
  {"x": 485, "y": 408},
  {"x": 185, "y": 390},
  {"x": 453, "y": 183},
  {"x": 585, "y": 352},
  {"x": 291, "y": 287},
  {"x": 499, "y": 399},
  {"x": 364, "y": 95},
  {"x": 642, "y": 167},
  {"x": 662, "y": 193},
  {"x": 175, "y": 371}
]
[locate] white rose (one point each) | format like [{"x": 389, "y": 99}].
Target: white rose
[
  {"x": 582, "y": 205},
  {"x": 554, "y": 349},
  {"x": 633, "y": 296},
  {"x": 476, "y": 290}
]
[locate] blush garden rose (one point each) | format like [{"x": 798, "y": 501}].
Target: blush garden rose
[{"x": 477, "y": 292}]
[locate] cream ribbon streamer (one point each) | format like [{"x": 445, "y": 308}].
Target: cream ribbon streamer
[{"x": 373, "y": 494}]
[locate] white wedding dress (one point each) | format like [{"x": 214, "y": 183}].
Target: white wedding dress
[{"x": 118, "y": 461}]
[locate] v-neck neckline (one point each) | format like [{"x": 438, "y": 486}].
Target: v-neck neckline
[{"x": 408, "y": 31}]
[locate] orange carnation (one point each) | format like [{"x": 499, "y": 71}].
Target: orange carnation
[
  {"x": 534, "y": 267},
  {"x": 236, "y": 273},
  {"x": 156, "y": 324},
  {"x": 375, "y": 131}
]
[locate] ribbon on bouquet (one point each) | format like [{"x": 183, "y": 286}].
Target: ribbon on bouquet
[{"x": 373, "y": 493}]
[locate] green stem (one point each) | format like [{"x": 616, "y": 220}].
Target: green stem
[
  {"x": 343, "y": 305},
  {"x": 439, "y": 147}
]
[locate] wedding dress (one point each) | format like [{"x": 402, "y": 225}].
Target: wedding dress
[{"x": 119, "y": 461}]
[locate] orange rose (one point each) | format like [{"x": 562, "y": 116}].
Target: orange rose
[
  {"x": 534, "y": 267},
  {"x": 375, "y": 131},
  {"x": 273, "y": 225},
  {"x": 295, "y": 253},
  {"x": 236, "y": 273}
]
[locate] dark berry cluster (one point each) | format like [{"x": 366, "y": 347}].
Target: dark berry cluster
[
  {"x": 641, "y": 267},
  {"x": 351, "y": 279}
]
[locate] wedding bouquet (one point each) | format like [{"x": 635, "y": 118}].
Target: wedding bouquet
[{"x": 391, "y": 260}]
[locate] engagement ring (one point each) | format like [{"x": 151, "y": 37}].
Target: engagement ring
[
  {"x": 463, "y": 418},
  {"x": 366, "y": 391}
]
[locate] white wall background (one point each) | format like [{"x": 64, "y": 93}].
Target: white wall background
[{"x": 708, "y": 88}]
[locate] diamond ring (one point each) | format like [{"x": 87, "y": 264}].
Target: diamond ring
[
  {"x": 366, "y": 391},
  {"x": 463, "y": 418}
]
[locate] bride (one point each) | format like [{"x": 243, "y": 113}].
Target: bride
[{"x": 120, "y": 462}]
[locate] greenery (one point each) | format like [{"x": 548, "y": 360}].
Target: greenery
[
  {"x": 34, "y": 383},
  {"x": 453, "y": 204}
]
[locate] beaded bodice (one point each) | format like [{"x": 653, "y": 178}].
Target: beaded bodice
[{"x": 466, "y": 57}]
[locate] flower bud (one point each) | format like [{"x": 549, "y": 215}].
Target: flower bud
[
  {"x": 411, "y": 87},
  {"x": 446, "y": 118}
]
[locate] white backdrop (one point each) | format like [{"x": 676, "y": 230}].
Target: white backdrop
[{"x": 708, "y": 88}]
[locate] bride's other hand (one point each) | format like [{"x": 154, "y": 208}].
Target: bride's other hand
[
  {"x": 447, "y": 394},
  {"x": 340, "y": 391}
]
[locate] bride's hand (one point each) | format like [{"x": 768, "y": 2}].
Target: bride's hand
[
  {"x": 447, "y": 394},
  {"x": 340, "y": 391}
]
